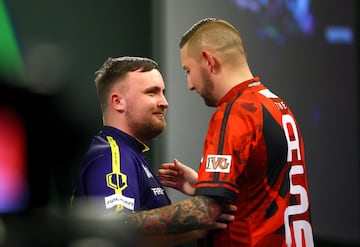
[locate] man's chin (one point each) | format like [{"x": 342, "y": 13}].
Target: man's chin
[{"x": 160, "y": 127}]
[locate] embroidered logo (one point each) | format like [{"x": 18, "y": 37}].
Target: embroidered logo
[
  {"x": 158, "y": 191},
  {"x": 218, "y": 163},
  {"x": 148, "y": 173},
  {"x": 117, "y": 199}
]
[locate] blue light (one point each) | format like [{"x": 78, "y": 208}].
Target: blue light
[{"x": 339, "y": 35}]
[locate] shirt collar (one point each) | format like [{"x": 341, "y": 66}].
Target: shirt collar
[
  {"x": 124, "y": 137},
  {"x": 238, "y": 89}
]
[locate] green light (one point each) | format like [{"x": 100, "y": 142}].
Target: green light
[{"x": 11, "y": 64}]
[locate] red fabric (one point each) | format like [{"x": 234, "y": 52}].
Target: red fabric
[{"x": 255, "y": 128}]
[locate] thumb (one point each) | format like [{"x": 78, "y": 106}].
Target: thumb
[
  {"x": 179, "y": 164},
  {"x": 182, "y": 167}
]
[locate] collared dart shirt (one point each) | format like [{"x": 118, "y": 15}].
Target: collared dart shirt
[{"x": 116, "y": 175}]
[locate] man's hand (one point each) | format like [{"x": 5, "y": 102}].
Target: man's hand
[
  {"x": 178, "y": 176},
  {"x": 226, "y": 216}
]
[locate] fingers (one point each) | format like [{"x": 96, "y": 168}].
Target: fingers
[
  {"x": 229, "y": 208},
  {"x": 169, "y": 184},
  {"x": 167, "y": 172},
  {"x": 168, "y": 175},
  {"x": 176, "y": 166},
  {"x": 167, "y": 178},
  {"x": 168, "y": 166},
  {"x": 226, "y": 218},
  {"x": 184, "y": 169},
  {"x": 168, "y": 169},
  {"x": 227, "y": 214},
  {"x": 219, "y": 225}
]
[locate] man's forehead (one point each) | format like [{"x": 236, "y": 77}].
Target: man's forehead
[
  {"x": 149, "y": 78},
  {"x": 141, "y": 75}
]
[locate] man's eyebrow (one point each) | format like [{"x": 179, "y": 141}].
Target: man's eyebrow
[{"x": 154, "y": 88}]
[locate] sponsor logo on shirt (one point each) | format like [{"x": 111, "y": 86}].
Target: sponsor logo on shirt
[
  {"x": 218, "y": 163},
  {"x": 148, "y": 173},
  {"x": 117, "y": 199},
  {"x": 158, "y": 191}
]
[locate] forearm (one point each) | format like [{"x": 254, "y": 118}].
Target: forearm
[{"x": 198, "y": 212}]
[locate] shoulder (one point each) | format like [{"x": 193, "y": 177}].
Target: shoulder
[
  {"x": 97, "y": 148},
  {"x": 247, "y": 103}
]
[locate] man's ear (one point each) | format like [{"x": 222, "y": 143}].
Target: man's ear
[
  {"x": 210, "y": 60},
  {"x": 117, "y": 102}
]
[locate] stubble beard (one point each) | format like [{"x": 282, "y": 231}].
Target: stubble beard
[
  {"x": 208, "y": 87},
  {"x": 148, "y": 130}
]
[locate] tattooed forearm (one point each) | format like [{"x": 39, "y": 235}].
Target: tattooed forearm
[{"x": 199, "y": 212}]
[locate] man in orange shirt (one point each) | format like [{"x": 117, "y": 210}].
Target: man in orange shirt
[{"x": 253, "y": 153}]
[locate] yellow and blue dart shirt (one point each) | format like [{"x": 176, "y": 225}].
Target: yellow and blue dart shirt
[{"x": 115, "y": 173}]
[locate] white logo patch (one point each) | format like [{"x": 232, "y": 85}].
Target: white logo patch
[
  {"x": 218, "y": 163},
  {"x": 116, "y": 199},
  {"x": 158, "y": 191}
]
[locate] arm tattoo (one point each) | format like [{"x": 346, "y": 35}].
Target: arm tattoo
[{"x": 199, "y": 212}]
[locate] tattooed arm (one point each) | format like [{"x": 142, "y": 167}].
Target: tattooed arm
[{"x": 198, "y": 212}]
